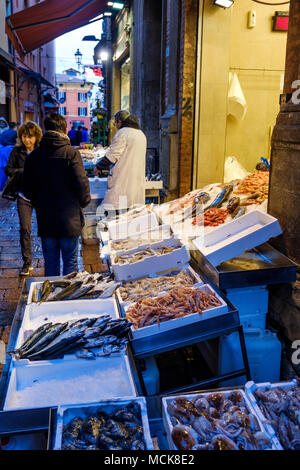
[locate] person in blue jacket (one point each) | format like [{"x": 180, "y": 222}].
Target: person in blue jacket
[
  {"x": 72, "y": 134},
  {"x": 85, "y": 135},
  {"x": 6, "y": 146},
  {"x": 10, "y": 133}
]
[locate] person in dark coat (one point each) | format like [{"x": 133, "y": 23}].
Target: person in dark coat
[
  {"x": 10, "y": 134},
  {"x": 78, "y": 137},
  {"x": 55, "y": 181},
  {"x": 29, "y": 136}
]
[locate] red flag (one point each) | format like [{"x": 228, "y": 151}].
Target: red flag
[{"x": 98, "y": 72}]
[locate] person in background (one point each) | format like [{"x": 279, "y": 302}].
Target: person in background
[
  {"x": 94, "y": 134},
  {"x": 85, "y": 135},
  {"x": 72, "y": 134},
  {"x": 29, "y": 136},
  {"x": 126, "y": 158},
  {"x": 6, "y": 147},
  {"x": 9, "y": 134},
  {"x": 78, "y": 137},
  {"x": 3, "y": 125},
  {"x": 55, "y": 181}
]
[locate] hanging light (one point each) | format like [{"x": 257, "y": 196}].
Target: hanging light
[
  {"x": 78, "y": 57},
  {"x": 224, "y": 3}
]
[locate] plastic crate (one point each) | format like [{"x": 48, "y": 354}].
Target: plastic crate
[
  {"x": 252, "y": 304},
  {"x": 263, "y": 351}
]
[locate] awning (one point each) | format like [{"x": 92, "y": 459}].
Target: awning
[{"x": 35, "y": 26}]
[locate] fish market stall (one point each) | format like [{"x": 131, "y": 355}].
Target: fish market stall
[
  {"x": 80, "y": 349},
  {"x": 180, "y": 421}
]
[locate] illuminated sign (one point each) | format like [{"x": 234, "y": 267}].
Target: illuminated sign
[{"x": 281, "y": 21}]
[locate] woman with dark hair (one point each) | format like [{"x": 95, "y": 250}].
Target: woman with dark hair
[
  {"x": 29, "y": 137},
  {"x": 126, "y": 156},
  {"x": 55, "y": 181}
]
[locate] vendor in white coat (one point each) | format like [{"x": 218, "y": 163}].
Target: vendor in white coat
[{"x": 126, "y": 157}]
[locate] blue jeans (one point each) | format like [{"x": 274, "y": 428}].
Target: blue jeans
[{"x": 53, "y": 247}]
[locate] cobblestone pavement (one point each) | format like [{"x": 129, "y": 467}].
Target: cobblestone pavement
[{"x": 11, "y": 262}]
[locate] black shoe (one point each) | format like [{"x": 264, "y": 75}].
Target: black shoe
[{"x": 26, "y": 269}]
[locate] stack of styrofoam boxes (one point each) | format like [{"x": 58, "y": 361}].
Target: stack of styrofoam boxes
[{"x": 263, "y": 347}]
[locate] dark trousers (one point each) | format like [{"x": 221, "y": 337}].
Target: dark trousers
[
  {"x": 53, "y": 248},
  {"x": 25, "y": 215}
]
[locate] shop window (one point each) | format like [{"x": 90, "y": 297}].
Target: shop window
[
  {"x": 82, "y": 97},
  {"x": 82, "y": 111}
]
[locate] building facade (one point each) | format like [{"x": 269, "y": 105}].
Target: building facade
[
  {"x": 28, "y": 82},
  {"x": 7, "y": 69},
  {"x": 73, "y": 94}
]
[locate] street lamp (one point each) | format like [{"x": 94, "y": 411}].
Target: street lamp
[{"x": 78, "y": 57}]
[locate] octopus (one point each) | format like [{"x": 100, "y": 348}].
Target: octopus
[
  {"x": 215, "y": 421},
  {"x": 281, "y": 408}
]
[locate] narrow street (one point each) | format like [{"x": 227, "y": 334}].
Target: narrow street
[{"x": 11, "y": 262}]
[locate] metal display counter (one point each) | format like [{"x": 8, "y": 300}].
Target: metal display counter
[{"x": 263, "y": 265}]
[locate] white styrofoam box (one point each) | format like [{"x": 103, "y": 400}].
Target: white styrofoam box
[
  {"x": 152, "y": 264},
  {"x": 153, "y": 184},
  {"x": 35, "y": 315},
  {"x": 252, "y": 304},
  {"x": 151, "y": 236},
  {"x": 131, "y": 226},
  {"x": 52, "y": 383},
  {"x": 250, "y": 389},
  {"x": 103, "y": 235},
  {"x": 56, "y": 302},
  {"x": 98, "y": 187},
  {"x": 182, "y": 321},
  {"x": 231, "y": 239},
  {"x": 195, "y": 276},
  {"x": 168, "y": 424},
  {"x": 66, "y": 413}
]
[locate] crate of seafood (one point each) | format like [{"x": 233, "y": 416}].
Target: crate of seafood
[
  {"x": 277, "y": 406},
  {"x": 152, "y": 285},
  {"x": 72, "y": 287},
  {"x": 118, "y": 424},
  {"x": 174, "y": 309},
  {"x": 51, "y": 383},
  {"x": 146, "y": 239},
  {"x": 244, "y": 233},
  {"x": 149, "y": 261},
  {"x": 52, "y": 335},
  {"x": 132, "y": 222},
  {"x": 213, "y": 421},
  {"x": 141, "y": 241}
]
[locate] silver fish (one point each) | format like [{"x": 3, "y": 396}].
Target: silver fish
[{"x": 84, "y": 354}]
